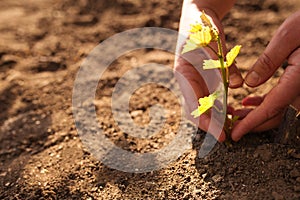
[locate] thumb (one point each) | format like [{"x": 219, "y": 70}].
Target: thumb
[{"x": 283, "y": 43}]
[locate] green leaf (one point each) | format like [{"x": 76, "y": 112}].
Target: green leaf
[{"x": 234, "y": 119}]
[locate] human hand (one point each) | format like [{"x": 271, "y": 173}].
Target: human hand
[
  {"x": 193, "y": 80},
  {"x": 285, "y": 45}
]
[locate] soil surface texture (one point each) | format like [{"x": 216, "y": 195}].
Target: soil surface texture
[{"x": 42, "y": 46}]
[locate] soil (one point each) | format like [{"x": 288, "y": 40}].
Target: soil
[{"x": 43, "y": 44}]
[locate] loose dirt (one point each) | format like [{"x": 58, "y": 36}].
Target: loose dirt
[{"x": 43, "y": 44}]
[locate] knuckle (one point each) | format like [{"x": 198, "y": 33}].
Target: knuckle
[
  {"x": 290, "y": 78},
  {"x": 294, "y": 58},
  {"x": 266, "y": 64},
  {"x": 274, "y": 111}
]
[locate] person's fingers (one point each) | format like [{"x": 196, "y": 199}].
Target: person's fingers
[
  {"x": 296, "y": 103},
  {"x": 274, "y": 103},
  {"x": 252, "y": 101},
  {"x": 189, "y": 80},
  {"x": 283, "y": 43},
  {"x": 211, "y": 126},
  {"x": 189, "y": 72},
  {"x": 267, "y": 125},
  {"x": 256, "y": 101},
  {"x": 193, "y": 86},
  {"x": 241, "y": 113},
  {"x": 208, "y": 124},
  {"x": 270, "y": 124},
  {"x": 235, "y": 78},
  {"x": 294, "y": 58},
  {"x": 230, "y": 110}
]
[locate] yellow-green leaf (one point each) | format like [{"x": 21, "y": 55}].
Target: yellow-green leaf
[
  {"x": 234, "y": 119},
  {"x": 211, "y": 64},
  {"x": 232, "y": 54},
  {"x": 189, "y": 46},
  {"x": 205, "y": 103},
  {"x": 196, "y": 113},
  {"x": 196, "y": 27},
  {"x": 199, "y": 39},
  {"x": 202, "y": 38}
]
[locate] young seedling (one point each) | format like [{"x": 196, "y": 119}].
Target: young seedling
[{"x": 202, "y": 35}]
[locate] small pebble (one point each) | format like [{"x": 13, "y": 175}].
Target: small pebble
[
  {"x": 3, "y": 174},
  {"x": 137, "y": 113},
  {"x": 85, "y": 20},
  {"x": 296, "y": 155},
  {"x": 263, "y": 152},
  {"x": 297, "y": 188},
  {"x": 255, "y": 181},
  {"x": 217, "y": 178},
  {"x": 295, "y": 173},
  {"x": 277, "y": 196}
]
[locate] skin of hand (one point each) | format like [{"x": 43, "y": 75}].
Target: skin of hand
[
  {"x": 284, "y": 45},
  {"x": 192, "y": 84}
]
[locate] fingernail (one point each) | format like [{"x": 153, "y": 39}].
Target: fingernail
[
  {"x": 235, "y": 80},
  {"x": 234, "y": 137},
  {"x": 252, "y": 79}
]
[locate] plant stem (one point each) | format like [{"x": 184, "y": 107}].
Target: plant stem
[
  {"x": 225, "y": 75},
  {"x": 224, "y": 72}
]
